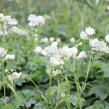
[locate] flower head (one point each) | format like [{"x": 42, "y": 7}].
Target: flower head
[{"x": 90, "y": 31}]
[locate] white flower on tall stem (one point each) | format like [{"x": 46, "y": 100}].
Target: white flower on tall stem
[{"x": 99, "y": 45}]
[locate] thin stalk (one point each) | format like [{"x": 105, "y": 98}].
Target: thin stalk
[
  {"x": 87, "y": 74},
  {"x": 77, "y": 85},
  {"x": 39, "y": 91}
]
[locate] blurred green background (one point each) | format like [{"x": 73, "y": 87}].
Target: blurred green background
[{"x": 68, "y": 17}]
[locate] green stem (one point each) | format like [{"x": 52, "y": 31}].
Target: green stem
[
  {"x": 87, "y": 74},
  {"x": 39, "y": 91},
  {"x": 77, "y": 85}
]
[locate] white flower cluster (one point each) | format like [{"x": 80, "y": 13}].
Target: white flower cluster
[
  {"x": 14, "y": 75},
  {"x": 8, "y": 19},
  {"x": 3, "y": 53},
  {"x": 58, "y": 55},
  {"x": 96, "y": 44},
  {"x": 34, "y": 20},
  {"x": 99, "y": 45},
  {"x": 6, "y": 22},
  {"x": 18, "y": 31},
  {"x": 89, "y": 31}
]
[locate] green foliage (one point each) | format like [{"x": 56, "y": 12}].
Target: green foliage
[{"x": 37, "y": 89}]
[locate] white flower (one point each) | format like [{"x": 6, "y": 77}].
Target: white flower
[
  {"x": 56, "y": 61},
  {"x": 56, "y": 72},
  {"x": 82, "y": 55},
  {"x": 31, "y": 17},
  {"x": 72, "y": 40},
  {"x": 51, "y": 39},
  {"x": 83, "y": 35},
  {"x": 35, "y": 20},
  {"x": 10, "y": 57},
  {"x": 14, "y": 75},
  {"x": 54, "y": 44},
  {"x": 40, "y": 20},
  {"x": 2, "y": 51},
  {"x": 90, "y": 31},
  {"x": 107, "y": 38},
  {"x": 67, "y": 52},
  {"x": 38, "y": 49},
  {"x": 12, "y": 22},
  {"x": 74, "y": 51},
  {"x": 6, "y": 18},
  {"x": 98, "y": 45},
  {"x": 32, "y": 24}
]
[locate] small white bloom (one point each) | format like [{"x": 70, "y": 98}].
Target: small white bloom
[
  {"x": 40, "y": 20},
  {"x": 74, "y": 51},
  {"x": 35, "y": 20},
  {"x": 51, "y": 39},
  {"x": 38, "y": 49},
  {"x": 55, "y": 61},
  {"x": 32, "y": 24},
  {"x": 56, "y": 72},
  {"x": 83, "y": 35},
  {"x": 10, "y": 57},
  {"x": 14, "y": 75},
  {"x": 31, "y": 17},
  {"x": 107, "y": 38},
  {"x": 67, "y": 52},
  {"x": 82, "y": 55},
  {"x": 54, "y": 44},
  {"x": 12, "y": 22},
  {"x": 72, "y": 40},
  {"x": 2, "y": 51},
  {"x": 98, "y": 45},
  {"x": 90, "y": 31}
]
